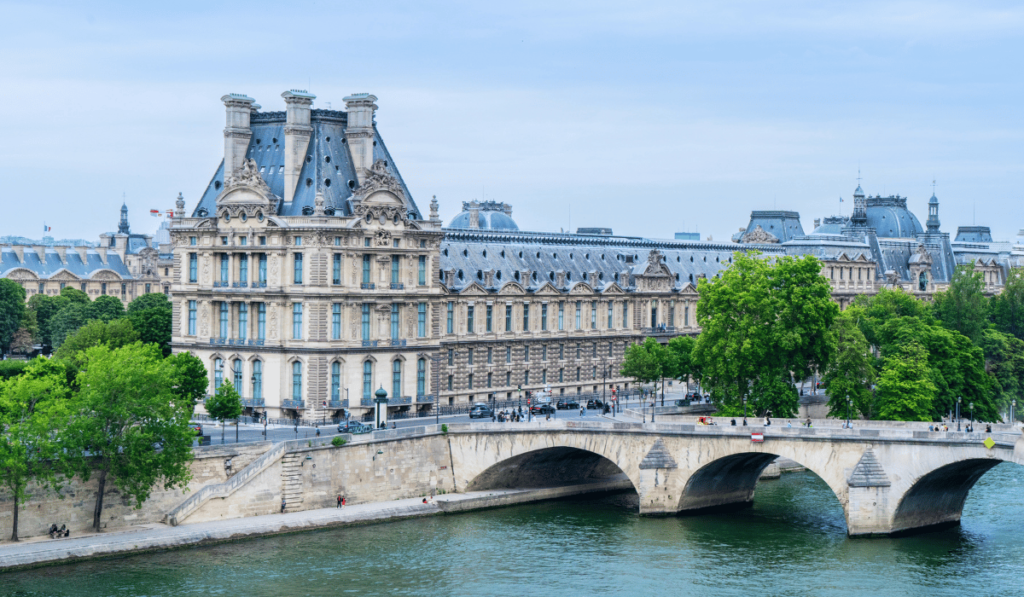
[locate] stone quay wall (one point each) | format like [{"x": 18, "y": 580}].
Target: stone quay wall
[{"x": 79, "y": 498}]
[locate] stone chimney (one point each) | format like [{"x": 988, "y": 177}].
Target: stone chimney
[
  {"x": 560, "y": 279},
  {"x": 624, "y": 279},
  {"x": 236, "y": 131},
  {"x": 41, "y": 252},
  {"x": 508, "y": 209},
  {"x": 524, "y": 277},
  {"x": 449, "y": 277},
  {"x": 62, "y": 252},
  {"x": 19, "y": 250},
  {"x": 103, "y": 254},
  {"x": 359, "y": 131},
  {"x": 297, "y": 131},
  {"x": 83, "y": 253},
  {"x": 488, "y": 278},
  {"x": 474, "y": 215}
]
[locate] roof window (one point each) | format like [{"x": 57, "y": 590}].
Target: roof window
[
  {"x": 309, "y": 182},
  {"x": 309, "y": 159},
  {"x": 327, "y": 182},
  {"x": 328, "y": 139},
  {"x": 274, "y": 139},
  {"x": 327, "y": 159},
  {"x": 280, "y": 170},
  {"x": 257, "y": 141}
]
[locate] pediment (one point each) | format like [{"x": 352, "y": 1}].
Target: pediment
[
  {"x": 473, "y": 288},
  {"x": 105, "y": 275},
  {"x": 688, "y": 288},
  {"x": 64, "y": 275},
  {"x": 547, "y": 289},
  {"x": 581, "y": 288},
  {"x": 20, "y": 273},
  {"x": 612, "y": 288},
  {"x": 511, "y": 288}
]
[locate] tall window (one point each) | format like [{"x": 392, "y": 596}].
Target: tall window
[
  {"x": 218, "y": 373},
  {"x": 593, "y": 315},
  {"x": 450, "y": 380},
  {"x": 421, "y": 377},
  {"x": 236, "y": 374},
  {"x": 544, "y": 376},
  {"x": 423, "y": 270},
  {"x": 490, "y": 356},
  {"x": 193, "y": 266},
  {"x": 526, "y": 354},
  {"x": 366, "y": 322},
  {"x": 544, "y": 317},
  {"x": 366, "y": 269},
  {"x": 625, "y": 316},
  {"x": 508, "y": 354},
  {"x": 336, "y": 321},
  {"x": 451, "y": 357},
  {"x": 421, "y": 320},
  {"x": 261, "y": 321},
  {"x": 191, "y": 318},
  {"x": 367, "y": 379},
  {"x": 593, "y": 350},
  {"x": 396, "y": 379},
  {"x": 297, "y": 321},
  {"x": 223, "y": 268},
  {"x": 243, "y": 321},
  {"x": 526, "y": 317},
  {"x": 508, "y": 379},
  {"x": 451, "y": 317},
  {"x": 263, "y": 268},
  {"x": 223, "y": 319},
  {"x": 686, "y": 316},
  {"x": 257, "y": 380},
  {"x": 508, "y": 318},
  {"x": 579, "y": 310},
  {"x": 469, "y": 379},
  {"x": 469, "y": 319},
  {"x": 561, "y": 315},
  {"x": 561, "y": 351},
  {"x": 610, "y": 325},
  {"x": 490, "y": 317},
  {"x": 544, "y": 352},
  {"x": 335, "y": 381},
  {"x": 526, "y": 377},
  {"x": 394, "y": 269},
  {"x": 297, "y": 381},
  {"x": 336, "y": 272},
  {"x": 489, "y": 380},
  {"x": 298, "y": 268},
  {"x": 611, "y": 349},
  {"x": 243, "y": 268},
  {"x": 394, "y": 321}
]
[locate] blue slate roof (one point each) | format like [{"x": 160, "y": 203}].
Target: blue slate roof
[
  {"x": 890, "y": 217},
  {"x": 48, "y": 266},
  {"x": 327, "y": 165},
  {"x": 783, "y": 225},
  {"x": 973, "y": 234}
]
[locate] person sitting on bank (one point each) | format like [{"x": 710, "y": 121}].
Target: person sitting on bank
[{"x": 53, "y": 531}]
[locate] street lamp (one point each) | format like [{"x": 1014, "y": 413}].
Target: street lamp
[
  {"x": 849, "y": 404},
  {"x": 971, "y": 405},
  {"x": 1013, "y": 406},
  {"x": 958, "y": 400}
]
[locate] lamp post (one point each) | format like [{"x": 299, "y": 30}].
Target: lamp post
[
  {"x": 849, "y": 404},
  {"x": 380, "y": 411},
  {"x": 654, "y": 403},
  {"x": 1013, "y": 406},
  {"x": 958, "y": 400},
  {"x": 971, "y": 405}
]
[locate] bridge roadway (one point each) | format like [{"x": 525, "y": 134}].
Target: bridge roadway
[
  {"x": 890, "y": 479},
  {"x": 887, "y": 480}
]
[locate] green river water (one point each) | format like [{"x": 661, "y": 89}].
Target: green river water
[{"x": 792, "y": 542}]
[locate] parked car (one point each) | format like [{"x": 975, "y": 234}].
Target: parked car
[
  {"x": 197, "y": 427},
  {"x": 353, "y": 427},
  {"x": 480, "y": 411},
  {"x": 542, "y": 409},
  {"x": 594, "y": 403},
  {"x": 683, "y": 402},
  {"x": 567, "y": 404}
]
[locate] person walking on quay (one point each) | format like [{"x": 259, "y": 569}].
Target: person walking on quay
[
  {"x": 583, "y": 410},
  {"x": 339, "y": 500},
  {"x": 342, "y": 502},
  {"x": 283, "y": 503}
]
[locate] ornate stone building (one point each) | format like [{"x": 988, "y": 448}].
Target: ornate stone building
[{"x": 121, "y": 264}]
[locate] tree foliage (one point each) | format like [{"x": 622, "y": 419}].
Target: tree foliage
[
  {"x": 74, "y": 295},
  {"x": 905, "y": 389},
  {"x": 12, "y": 311},
  {"x": 45, "y": 307},
  {"x": 153, "y": 300},
  {"x": 644, "y": 362},
  {"x": 33, "y": 407},
  {"x": 850, "y": 373},
  {"x": 225, "y": 404},
  {"x": 961, "y": 308},
  {"x": 113, "y": 334},
  {"x": 680, "y": 364},
  {"x": 128, "y": 418},
  {"x": 150, "y": 315},
  {"x": 1006, "y": 309},
  {"x": 761, "y": 323},
  {"x": 190, "y": 378},
  {"x": 106, "y": 308},
  {"x": 66, "y": 322}
]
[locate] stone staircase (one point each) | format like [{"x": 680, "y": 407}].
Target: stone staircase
[{"x": 291, "y": 482}]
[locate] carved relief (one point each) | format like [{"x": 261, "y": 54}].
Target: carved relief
[
  {"x": 272, "y": 333},
  {"x": 382, "y": 239},
  {"x": 759, "y": 235},
  {"x": 379, "y": 179},
  {"x": 273, "y": 268},
  {"x": 204, "y": 320}
]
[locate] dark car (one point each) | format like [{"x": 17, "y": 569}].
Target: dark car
[
  {"x": 480, "y": 411},
  {"x": 683, "y": 402},
  {"x": 594, "y": 403},
  {"x": 567, "y": 404},
  {"x": 542, "y": 409},
  {"x": 353, "y": 427},
  {"x": 197, "y": 427}
]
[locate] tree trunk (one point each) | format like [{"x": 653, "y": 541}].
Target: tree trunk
[
  {"x": 99, "y": 501},
  {"x": 14, "y": 519}
]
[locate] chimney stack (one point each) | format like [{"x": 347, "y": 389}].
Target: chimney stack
[
  {"x": 103, "y": 254},
  {"x": 83, "y": 254},
  {"x": 62, "y": 252},
  {"x": 474, "y": 215},
  {"x": 236, "y": 131},
  {"x": 297, "y": 131},
  {"x": 41, "y": 252},
  {"x": 359, "y": 132},
  {"x": 19, "y": 250}
]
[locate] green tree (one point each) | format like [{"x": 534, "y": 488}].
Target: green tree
[
  {"x": 45, "y": 307},
  {"x": 127, "y": 417},
  {"x": 74, "y": 295},
  {"x": 1006, "y": 309},
  {"x": 774, "y": 394},
  {"x": 850, "y": 373},
  {"x": 154, "y": 327},
  {"x": 680, "y": 364},
  {"x": 190, "y": 378},
  {"x": 66, "y": 322},
  {"x": 113, "y": 334},
  {"x": 905, "y": 389},
  {"x": 645, "y": 362},
  {"x": 106, "y": 308},
  {"x": 761, "y": 323},
  {"x": 33, "y": 406},
  {"x": 153, "y": 300},
  {"x": 1004, "y": 361},
  {"x": 962, "y": 307},
  {"x": 12, "y": 311},
  {"x": 224, "y": 404}
]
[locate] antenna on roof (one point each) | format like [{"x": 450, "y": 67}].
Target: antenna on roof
[{"x": 858, "y": 176}]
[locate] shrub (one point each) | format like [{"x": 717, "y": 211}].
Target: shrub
[
  {"x": 444, "y": 428},
  {"x": 12, "y": 368},
  {"x": 338, "y": 441}
]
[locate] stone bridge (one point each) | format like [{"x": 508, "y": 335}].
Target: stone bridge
[{"x": 887, "y": 480}]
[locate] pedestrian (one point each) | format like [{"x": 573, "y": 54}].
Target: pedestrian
[
  {"x": 342, "y": 502},
  {"x": 744, "y": 421},
  {"x": 988, "y": 428},
  {"x": 318, "y": 432},
  {"x": 930, "y": 428},
  {"x": 283, "y": 503},
  {"x": 339, "y": 500},
  {"x": 734, "y": 422},
  {"x": 394, "y": 425},
  {"x": 424, "y": 500},
  {"x": 583, "y": 411},
  {"x": 808, "y": 422}
]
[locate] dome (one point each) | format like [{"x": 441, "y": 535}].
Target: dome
[
  {"x": 832, "y": 225},
  {"x": 890, "y": 217},
  {"x": 490, "y": 215}
]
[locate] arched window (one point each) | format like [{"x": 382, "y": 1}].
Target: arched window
[
  {"x": 367, "y": 380},
  {"x": 218, "y": 373},
  {"x": 421, "y": 377},
  {"x": 257, "y": 380},
  {"x": 297, "y": 381},
  {"x": 335, "y": 381},
  {"x": 236, "y": 371},
  {"x": 922, "y": 282},
  {"x": 396, "y": 379}
]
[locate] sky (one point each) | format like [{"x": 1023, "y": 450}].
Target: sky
[{"x": 650, "y": 118}]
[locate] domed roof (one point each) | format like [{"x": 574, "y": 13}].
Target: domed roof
[
  {"x": 491, "y": 215},
  {"x": 890, "y": 217},
  {"x": 934, "y": 199}
]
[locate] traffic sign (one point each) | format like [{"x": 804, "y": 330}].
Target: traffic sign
[{"x": 757, "y": 437}]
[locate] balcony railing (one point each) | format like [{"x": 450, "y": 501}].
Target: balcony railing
[
  {"x": 400, "y": 400},
  {"x": 369, "y": 286},
  {"x": 425, "y": 399},
  {"x": 369, "y": 344},
  {"x": 366, "y": 402},
  {"x": 338, "y": 403},
  {"x": 398, "y": 343},
  {"x": 397, "y": 286},
  {"x": 660, "y": 330},
  {"x": 253, "y": 402},
  {"x": 296, "y": 404},
  {"x": 255, "y": 342}
]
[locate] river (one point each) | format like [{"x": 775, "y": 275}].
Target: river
[{"x": 792, "y": 542}]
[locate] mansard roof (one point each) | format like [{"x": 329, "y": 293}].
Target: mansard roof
[
  {"x": 49, "y": 264},
  {"x": 327, "y": 165}
]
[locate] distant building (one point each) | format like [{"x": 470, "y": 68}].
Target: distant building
[{"x": 688, "y": 236}]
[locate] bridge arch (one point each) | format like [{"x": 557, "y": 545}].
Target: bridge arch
[
  {"x": 937, "y": 497},
  {"x": 547, "y": 467}
]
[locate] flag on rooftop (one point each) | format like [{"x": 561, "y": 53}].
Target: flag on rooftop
[{"x": 47, "y": 228}]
